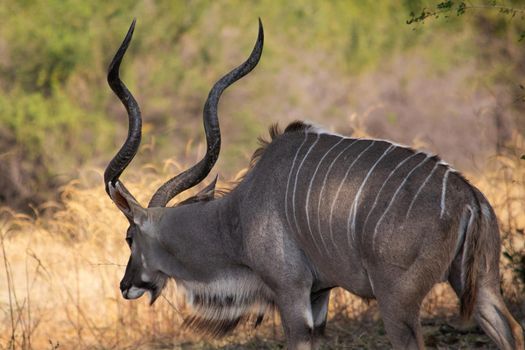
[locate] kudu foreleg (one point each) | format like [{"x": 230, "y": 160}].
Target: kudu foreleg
[
  {"x": 296, "y": 317},
  {"x": 319, "y": 301}
]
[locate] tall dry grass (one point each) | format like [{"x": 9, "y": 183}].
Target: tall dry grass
[{"x": 61, "y": 267}]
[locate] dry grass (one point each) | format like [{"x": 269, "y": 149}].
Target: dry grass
[{"x": 61, "y": 268}]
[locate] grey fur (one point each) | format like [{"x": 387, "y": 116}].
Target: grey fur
[{"x": 392, "y": 222}]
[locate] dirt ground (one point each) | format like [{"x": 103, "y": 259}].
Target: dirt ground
[
  {"x": 439, "y": 320},
  {"x": 351, "y": 334}
]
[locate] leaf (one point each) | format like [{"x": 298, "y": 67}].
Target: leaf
[
  {"x": 445, "y": 5},
  {"x": 461, "y": 9}
]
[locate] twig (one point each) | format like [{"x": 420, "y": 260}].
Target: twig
[
  {"x": 9, "y": 288},
  {"x": 171, "y": 304}
]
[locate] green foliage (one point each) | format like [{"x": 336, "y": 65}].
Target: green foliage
[
  {"x": 55, "y": 104},
  {"x": 448, "y": 8},
  {"x": 54, "y": 54},
  {"x": 44, "y": 123}
]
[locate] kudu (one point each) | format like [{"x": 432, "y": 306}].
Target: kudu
[{"x": 315, "y": 211}]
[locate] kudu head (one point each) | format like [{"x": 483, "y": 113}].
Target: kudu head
[{"x": 144, "y": 272}]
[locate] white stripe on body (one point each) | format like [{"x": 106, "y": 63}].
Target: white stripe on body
[
  {"x": 420, "y": 188},
  {"x": 309, "y": 191},
  {"x": 353, "y": 209},
  {"x": 394, "y": 197},
  {"x": 297, "y": 177},
  {"x": 290, "y": 177},
  {"x": 442, "y": 162},
  {"x": 322, "y": 189},
  {"x": 384, "y": 184},
  {"x": 443, "y": 193},
  {"x": 463, "y": 227},
  {"x": 339, "y": 189}
]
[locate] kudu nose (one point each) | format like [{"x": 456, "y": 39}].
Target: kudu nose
[{"x": 124, "y": 286}]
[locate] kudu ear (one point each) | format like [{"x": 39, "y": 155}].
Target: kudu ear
[{"x": 127, "y": 204}]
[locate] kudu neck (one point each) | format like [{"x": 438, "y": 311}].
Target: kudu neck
[{"x": 196, "y": 237}]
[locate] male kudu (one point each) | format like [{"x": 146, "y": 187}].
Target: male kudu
[{"x": 315, "y": 211}]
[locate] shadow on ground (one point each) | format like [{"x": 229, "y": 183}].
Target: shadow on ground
[{"x": 352, "y": 334}]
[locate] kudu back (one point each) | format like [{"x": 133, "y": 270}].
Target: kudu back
[{"x": 315, "y": 211}]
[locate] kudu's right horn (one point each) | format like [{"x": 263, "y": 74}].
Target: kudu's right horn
[{"x": 199, "y": 171}]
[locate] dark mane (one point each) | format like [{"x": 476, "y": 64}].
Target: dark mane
[
  {"x": 275, "y": 131},
  {"x": 297, "y": 125}
]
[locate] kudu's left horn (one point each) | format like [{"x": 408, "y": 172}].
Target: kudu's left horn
[
  {"x": 199, "y": 171},
  {"x": 128, "y": 150}
]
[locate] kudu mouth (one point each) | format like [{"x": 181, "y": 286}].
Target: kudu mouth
[{"x": 133, "y": 293}]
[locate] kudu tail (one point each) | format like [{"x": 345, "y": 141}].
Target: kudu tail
[
  {"x": 470, "y": 262},
  {"x": 480, "y": 293}
]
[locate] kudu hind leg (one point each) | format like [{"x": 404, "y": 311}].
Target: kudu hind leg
[
  {"x": 496, "y": 320},
  {"x": 401, "y": 322},
  {"x": 490, "y": 311},
  {"x": 399, "y": 302}
]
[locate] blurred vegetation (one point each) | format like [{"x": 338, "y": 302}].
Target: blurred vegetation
[{"x": 57, "y": 113}]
